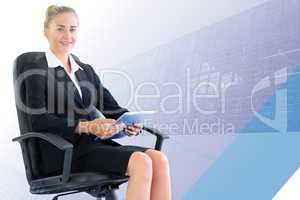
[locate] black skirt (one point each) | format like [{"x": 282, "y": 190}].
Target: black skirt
[{"x": 103, "y": 156}]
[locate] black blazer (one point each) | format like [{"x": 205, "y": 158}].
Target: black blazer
[{"x": 55, "y": 106}]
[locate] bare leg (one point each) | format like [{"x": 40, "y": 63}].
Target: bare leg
[
  {"x": 140, "y": 177},
  {"x": 161, "y": 183}
]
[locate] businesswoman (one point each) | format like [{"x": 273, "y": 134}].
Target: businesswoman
[{"x": 74, "y": 99}]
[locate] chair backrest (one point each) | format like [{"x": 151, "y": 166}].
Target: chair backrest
[{"x": 30, "y": 148}]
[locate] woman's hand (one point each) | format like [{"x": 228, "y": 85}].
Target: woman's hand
[
  {"x": 103, "y": 128},
  {"x": 134, "y": 129}
]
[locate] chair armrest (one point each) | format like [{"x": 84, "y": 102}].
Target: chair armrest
[
  {"x": 57, "y": 141},
  {"x": 159, "y": 136}
]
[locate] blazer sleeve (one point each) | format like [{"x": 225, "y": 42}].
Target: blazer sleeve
[
  {"x": 36, "y": 98},
  {"x": 105, "y": 101}
]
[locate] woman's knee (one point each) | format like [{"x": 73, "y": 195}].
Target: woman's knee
[
  {"x": 139, "y": 164},
  {"x": 158, "y": 158}
]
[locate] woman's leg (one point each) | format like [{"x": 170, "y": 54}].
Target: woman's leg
[
  {"x": 140, "y": 176},
  {"x": 161, "y": 184}
]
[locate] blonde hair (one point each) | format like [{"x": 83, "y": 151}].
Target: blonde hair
[{"x": 55, "y": 10}]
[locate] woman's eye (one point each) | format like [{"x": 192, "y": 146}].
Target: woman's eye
[{"x": 73, "y": 30}]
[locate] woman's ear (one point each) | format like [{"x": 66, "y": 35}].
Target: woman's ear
[{"x": 45, "y": 32}]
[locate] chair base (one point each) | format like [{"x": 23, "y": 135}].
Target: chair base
[
  {"x": 64, "y": 194},
  {"x": 107, "y": 192}
]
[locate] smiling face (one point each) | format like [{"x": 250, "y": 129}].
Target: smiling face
[{"x": 61, "y": 32}]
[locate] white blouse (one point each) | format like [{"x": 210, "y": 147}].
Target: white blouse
[{"x": 53, "y": 62}]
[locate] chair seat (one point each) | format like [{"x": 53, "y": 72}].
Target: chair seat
[{"x": 77, "y": 182}]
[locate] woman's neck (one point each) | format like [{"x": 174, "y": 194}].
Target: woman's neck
[{"x": 64, "y": 58}]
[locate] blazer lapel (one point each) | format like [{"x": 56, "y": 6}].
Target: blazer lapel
[
  {"x": 59, "y": 74},
  {"x": 62, "y": 77},
  {"x": 84, "y": 84}
]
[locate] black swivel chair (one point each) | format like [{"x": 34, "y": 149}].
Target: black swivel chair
[{"x": 97, "y": 184}]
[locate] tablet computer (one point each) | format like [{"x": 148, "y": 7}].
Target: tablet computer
[{"x": 129, "y": 118}]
